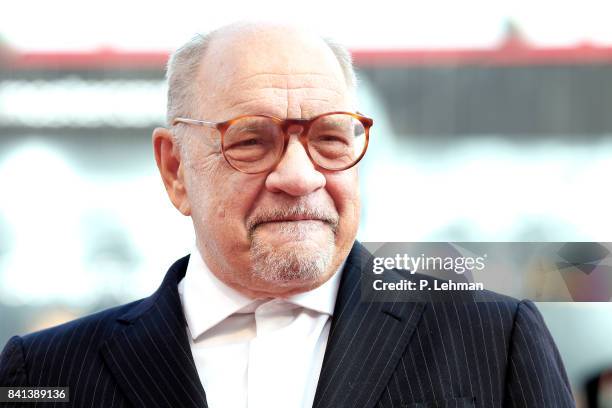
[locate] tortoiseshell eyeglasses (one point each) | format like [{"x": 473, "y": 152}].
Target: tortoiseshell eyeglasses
[{"x": 253, "y": 144}]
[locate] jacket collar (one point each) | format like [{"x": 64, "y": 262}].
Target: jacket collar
[{"x": 149, "y": 355}]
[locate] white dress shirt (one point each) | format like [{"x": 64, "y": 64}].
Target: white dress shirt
[{"x": 255, "y": 352}]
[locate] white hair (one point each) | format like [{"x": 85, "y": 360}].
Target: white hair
[{"x": 184, "y": 64}]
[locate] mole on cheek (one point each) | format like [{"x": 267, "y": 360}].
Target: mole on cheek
[{"x": 221, "y": 212}]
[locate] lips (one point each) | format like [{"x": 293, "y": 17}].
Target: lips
[
  {"x": 288, "y": 217},
  {"x": 294, "y": 218},
  {"x": 289, "y": 220}
]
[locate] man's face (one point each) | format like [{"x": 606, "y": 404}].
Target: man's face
[{"x": 286, "y": 230}]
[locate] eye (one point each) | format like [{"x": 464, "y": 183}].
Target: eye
[
  {"x": 248, "y": 142},
  {"x": 331, "y": 139}
]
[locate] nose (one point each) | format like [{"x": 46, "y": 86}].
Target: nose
[{"x": 295, "y": 174}]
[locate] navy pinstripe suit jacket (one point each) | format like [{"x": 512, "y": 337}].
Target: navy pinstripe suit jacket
[{"x": 418, "y": 354}]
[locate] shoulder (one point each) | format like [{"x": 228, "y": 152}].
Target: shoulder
[
  {"x": 82, "y": 337},
  {"x": 482, "y": 310},
  {"x": 100, "y": 326},
  {"x": 61, "y": 353},
  {"x": 461, "y": 307},
  {"x": 97, "y": 326}
]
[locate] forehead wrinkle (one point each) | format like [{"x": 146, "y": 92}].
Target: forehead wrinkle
[
  {"x": 255, "y": 107},
  {"x": 306, "y": 92},
  {"x": 323, "y": 82},
  {"x": 287, "y": 81},
  {"x": 242, "y": 106},
  {"x": 331, "y": 93},
  {"x": 284, "y": 74},
  {"x": 281, "y": 95}
]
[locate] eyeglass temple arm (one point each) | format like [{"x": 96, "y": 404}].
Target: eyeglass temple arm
[{"x": 194, "y": 122}]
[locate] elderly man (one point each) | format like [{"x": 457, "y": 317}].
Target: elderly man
[{"x": 261, "y": 153}]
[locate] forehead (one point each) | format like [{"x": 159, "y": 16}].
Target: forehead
[{"x": 278, "y": 73}]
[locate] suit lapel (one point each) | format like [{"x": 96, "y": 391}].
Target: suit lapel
[
  {"x": 150, "y": 357},
  {"x": 365, "y": 343}
]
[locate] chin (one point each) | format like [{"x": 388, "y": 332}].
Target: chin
[{"x": 302, "y": 263}]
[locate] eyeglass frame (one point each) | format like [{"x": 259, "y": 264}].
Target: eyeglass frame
[{"x": 284, "y": 125}]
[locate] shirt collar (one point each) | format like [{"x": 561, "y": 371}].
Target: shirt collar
[
  {"x": 323, "y": 298},
  {"x": 207, "y": 301}
]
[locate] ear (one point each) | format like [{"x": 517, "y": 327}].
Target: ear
[{"x": 171, "y": 166}]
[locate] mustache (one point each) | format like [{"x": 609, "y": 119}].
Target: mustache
[{"x": 292, "y": 214}]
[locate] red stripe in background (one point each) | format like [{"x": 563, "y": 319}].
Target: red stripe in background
[
  {"x": 102, "y": 59},
  {"x": 509, "y": 54}
]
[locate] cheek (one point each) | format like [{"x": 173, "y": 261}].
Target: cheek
[
  {"x": 223, "y": 199},
  {"x": 343, "y": 187},
  {"x": 234, "y": 198}
]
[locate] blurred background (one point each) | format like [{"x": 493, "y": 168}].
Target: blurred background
[{"x": 492, "y": 123}]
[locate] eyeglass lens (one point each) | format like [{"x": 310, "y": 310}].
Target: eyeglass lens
[{"x": 254, "y": 144}]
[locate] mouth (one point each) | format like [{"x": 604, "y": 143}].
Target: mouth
[
  {"x": 296, "y": 218},
  {"x": 286, "y": 221},
  {"x": 292, "y": 230},
  {"x": 301, "y": 225},
  {"x": 292, "y": 223}
]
